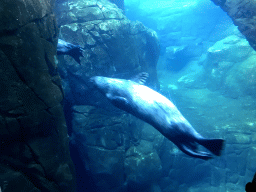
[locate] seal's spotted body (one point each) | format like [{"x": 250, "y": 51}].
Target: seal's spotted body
[{"x": 150, "y": 106}]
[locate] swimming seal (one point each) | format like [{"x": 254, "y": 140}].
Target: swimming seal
[
  {"x": 150, "y": 106},
  {"x": 65, "y": 48}
]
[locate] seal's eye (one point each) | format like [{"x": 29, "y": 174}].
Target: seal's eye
[{"x": 91, "y": 80}]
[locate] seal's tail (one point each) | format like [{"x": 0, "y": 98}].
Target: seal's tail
[
  {"x": 213, "y": 145},
  {"x": 193, "y": 152}
]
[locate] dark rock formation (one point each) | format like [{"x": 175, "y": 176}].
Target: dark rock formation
[
  {"x": 33, "y": 137},
  {"x": 243, "y": 14},
  {"x": 101, "y": 138},
  {"x": 116, "y": 47},
  {"x": 142, "y": 164}
]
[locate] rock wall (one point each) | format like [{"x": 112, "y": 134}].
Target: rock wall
[
  {"x": 243, "y": 14},
  {"x": 34, "y": 143}
]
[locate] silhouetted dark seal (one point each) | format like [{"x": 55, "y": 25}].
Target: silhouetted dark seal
[
  {"x": 251, "y": 186},
  {"x": 150, "y": 106},
  {"x": 65, "y": 48}
]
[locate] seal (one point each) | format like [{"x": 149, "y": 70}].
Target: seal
[
  {"x": 65, "y": 48},
  {"x": 150, "y": 106}
]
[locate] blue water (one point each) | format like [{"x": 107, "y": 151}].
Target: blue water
[{"x": 206, "y": 89}]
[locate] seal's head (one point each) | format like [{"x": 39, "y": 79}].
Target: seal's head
[
  {"x": 96, "y": 81},
  {"x": 100, "y": 83}
]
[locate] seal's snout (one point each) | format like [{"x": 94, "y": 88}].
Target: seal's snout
[
  {"x": 96, "y": 81},
  {"x": 92, "y": 82}
]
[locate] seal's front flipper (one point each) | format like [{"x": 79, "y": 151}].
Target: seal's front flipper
[
  {"x": 140, "y": 78},
  {"x": 121, "y": 103},
  {"x": 213, "y": 145}
]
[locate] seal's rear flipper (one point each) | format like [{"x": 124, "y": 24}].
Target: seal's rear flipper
[
  {"x": 213, "y": 145},
  {"x": 193, "y": 153}
]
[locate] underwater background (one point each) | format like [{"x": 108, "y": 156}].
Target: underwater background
[
  {"x": 198, "y": 53},
  {"x": 206, "y": 67}
]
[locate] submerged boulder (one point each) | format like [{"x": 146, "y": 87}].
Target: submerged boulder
[
  {"x": 230, "y": 49},
  {"x": 223, "y": 59},
  {"x": 241, "y": 78}
]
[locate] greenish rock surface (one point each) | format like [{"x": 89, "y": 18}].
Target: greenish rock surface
[
  {"x": 34, "y": 142},
  {"x": 229, "y": 67},
  {"x": 230, "y": 49},
  {"x": 241, "y": 78}
]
